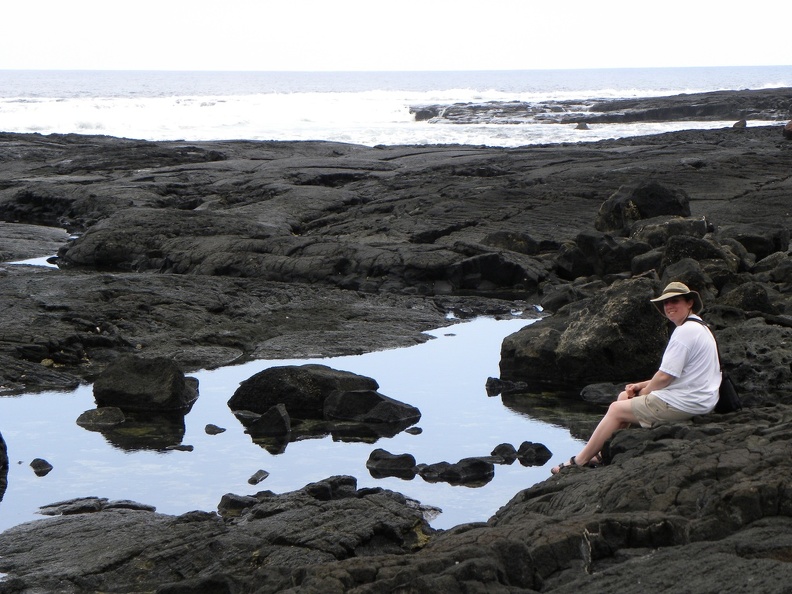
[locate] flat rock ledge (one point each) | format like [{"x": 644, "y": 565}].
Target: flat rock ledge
[{"x": 709, "y": 500}]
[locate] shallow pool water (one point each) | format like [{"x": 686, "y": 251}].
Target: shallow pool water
[{"x": 444, "y": 377}]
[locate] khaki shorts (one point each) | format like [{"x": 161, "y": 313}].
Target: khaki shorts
[{"x": 651, "y": 411}]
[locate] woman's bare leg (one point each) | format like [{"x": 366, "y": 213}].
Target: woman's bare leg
[{"x": 619, "y": 415}]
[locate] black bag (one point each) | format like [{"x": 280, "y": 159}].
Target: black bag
[{"x": 728, "y": 398}]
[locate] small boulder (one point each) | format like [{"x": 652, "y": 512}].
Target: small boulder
[
  {"x": 382, "y": 463},
  {"x": 658, "y": 230},
  {"x": 787, "y": 131},
  {"x": 275, "y": 422},
  {"x": 101, "y": 418},
  {"x": 258, "y": 476},
  {"x": 680, "y": 247},
  {"x": 471, "y": 472},
  {"x": 139, "y": 384},
  {"x": 533, "y": 454},
  {"x": 212, "y": 429},
  {"x": 506, "y": 452},
  {"x": 41, "y": 467},
  {"x": 601, "y": 393},
  {"x": 631, "y": 203},
  {"x": 302, "y": 388},
  {"x": 759, "y": 239},
  {"x": 232, "y": 506},
  {"x": 749, "y": 297}
]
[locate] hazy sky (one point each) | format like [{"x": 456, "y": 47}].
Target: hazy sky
[{"x": 390, "y": 35}]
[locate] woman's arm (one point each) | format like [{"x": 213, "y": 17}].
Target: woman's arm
[{"x": 659, "y": 380}]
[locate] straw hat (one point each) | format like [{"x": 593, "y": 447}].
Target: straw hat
[{"x": 677, "y": 289}]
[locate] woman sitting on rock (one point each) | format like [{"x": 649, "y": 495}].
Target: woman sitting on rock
[{"x": 686, "y": 384}]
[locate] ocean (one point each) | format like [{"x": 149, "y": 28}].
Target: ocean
[{"x": 369, "y": 108}]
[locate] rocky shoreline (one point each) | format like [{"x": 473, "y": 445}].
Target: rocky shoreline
[
  {"x": 762, "y": 105},
  {"x": 222, "y": 252}
]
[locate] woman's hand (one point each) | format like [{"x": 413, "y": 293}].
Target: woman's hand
[{"x": 634, "y": 389}]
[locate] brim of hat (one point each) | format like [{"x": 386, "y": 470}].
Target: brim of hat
[{"x": 698, "y": 304}]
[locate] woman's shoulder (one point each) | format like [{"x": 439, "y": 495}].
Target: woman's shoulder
[
  {"x": 696, "y": 319},
  {"x": 693, "y": 326}
]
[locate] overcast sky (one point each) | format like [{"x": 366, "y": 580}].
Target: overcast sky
[{"x": 390, "y": 35}]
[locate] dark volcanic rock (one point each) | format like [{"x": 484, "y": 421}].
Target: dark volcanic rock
[
  {"x": 764, "y": 104},
  {"x": 303, "y": 389},
  {"x": 646, "y": 200},
  {"x": 589, "y": 341},
  {"x": 274, "y": 422},
  {"x": 140, "y": 384},
  {"x": 22, "y": 242},
  {"x": 325, "y": 521},
  {"x": 382, "y": 463},
  {"x": 368, "y": 406},
  {"x": 533, "y": 454},
  {"x": 712, "y": 493},
  {"x": 506, "y": 451},
  {"x": 471, "y": 472},
  {"x": 378, "y": 244},
  {"x": 101, "y": 418},
  {"x": 41, "y": 467},
  {"x": 360, "y": 230}
]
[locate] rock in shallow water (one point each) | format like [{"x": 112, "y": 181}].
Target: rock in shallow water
[{"x": 134, "y": 383}]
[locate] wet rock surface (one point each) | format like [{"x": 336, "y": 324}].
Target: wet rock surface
[{"x": 215, "y": 253}]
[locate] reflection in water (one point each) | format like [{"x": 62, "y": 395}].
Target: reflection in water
[
  {"x": 578, "y": 416},
  {"x": 444, "y": 378},
  {"x": 348, "y": 432},
  {"x": 145, "y": 431}
]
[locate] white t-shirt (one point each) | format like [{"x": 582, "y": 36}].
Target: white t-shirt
[{"x": 692, "y": 358}]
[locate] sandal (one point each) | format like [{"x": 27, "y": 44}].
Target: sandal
[
  {"x": 596, "y": 461},
  {"x": 560, "y": 467}
]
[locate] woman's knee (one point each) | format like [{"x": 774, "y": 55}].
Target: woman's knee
[{"x": 620, "y": 409}]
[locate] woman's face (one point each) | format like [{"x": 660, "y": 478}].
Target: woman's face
[{"x": 677, "y": 309}]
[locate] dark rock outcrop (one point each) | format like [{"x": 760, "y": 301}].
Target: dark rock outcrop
[{"x": 589, "y": 341}]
